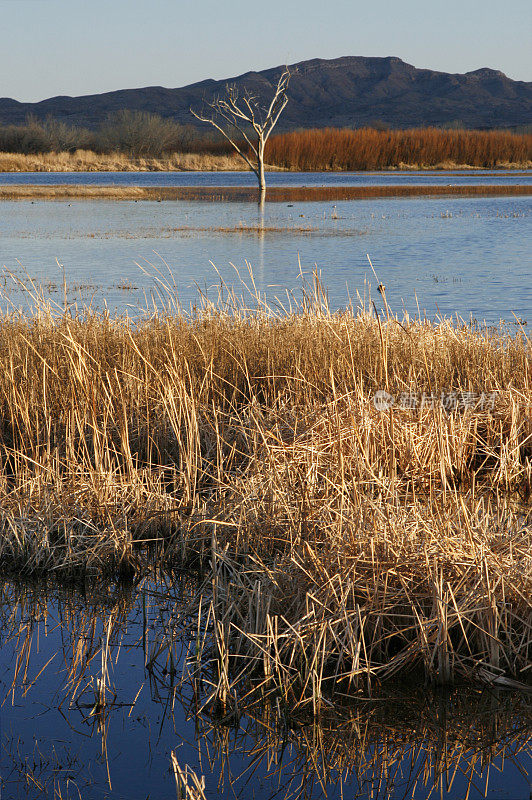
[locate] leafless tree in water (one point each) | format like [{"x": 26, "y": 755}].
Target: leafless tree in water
[{"x": 246, "y": 121}]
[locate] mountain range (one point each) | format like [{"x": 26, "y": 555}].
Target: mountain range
[{"x": 351, "y": 91}]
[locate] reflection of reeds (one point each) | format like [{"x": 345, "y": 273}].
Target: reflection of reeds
[
  {"x": 24, "y": 618},
  {"x": 188, "y": 785},
  {"x": 393, "y": 746},
  {"x": 345, "y": 544},
  {"x": 407, "y": 736}
]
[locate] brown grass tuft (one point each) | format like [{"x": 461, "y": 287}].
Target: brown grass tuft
[{"x": 346, "y": 544}]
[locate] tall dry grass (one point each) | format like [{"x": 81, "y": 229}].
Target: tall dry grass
[
  {"x": 344, "y": 544},
  {"x": 370, "y": 149},
  {"x": 307, "y": 150},
  {"x": 89, "y": 161}
]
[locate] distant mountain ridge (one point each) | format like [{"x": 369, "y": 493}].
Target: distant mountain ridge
[{"x": 348, "y": 91}]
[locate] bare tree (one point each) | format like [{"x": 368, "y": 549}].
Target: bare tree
[{"x": 246, "y": 118}]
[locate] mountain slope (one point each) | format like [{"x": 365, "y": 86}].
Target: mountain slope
[{"x": 348, "y": 91}]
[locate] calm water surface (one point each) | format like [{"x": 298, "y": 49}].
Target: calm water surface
[
  {"x": 55, "y": 742},
  {"x": 465, "y": 177},
  {"x": 448, "y": 255}
]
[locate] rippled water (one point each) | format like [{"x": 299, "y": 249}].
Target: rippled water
[
  {"x": 448, "y": 255},
  {"x": 58, "y": 741}
]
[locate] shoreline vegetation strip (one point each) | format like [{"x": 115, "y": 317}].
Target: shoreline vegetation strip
[
  {"x": 278, "y": 194},
  {"x": 341, "y": 543},
  {"x": 145, "y": 142}
]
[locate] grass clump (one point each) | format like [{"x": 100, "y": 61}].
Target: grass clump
[{"x": 343, "y": 544}]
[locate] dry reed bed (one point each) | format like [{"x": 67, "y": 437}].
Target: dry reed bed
[
  {"x": 421, "y": 148},
  {"x": 343, "y": 545},
  {"x": 276, "y": 194},
  {"x": 307, "y": 150},
  {"x": 88, "y": 161}
]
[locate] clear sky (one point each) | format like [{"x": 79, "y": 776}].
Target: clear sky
[{"x": 54, "y": 47}]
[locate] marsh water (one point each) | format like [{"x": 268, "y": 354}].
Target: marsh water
[
  {"x": 473, "y": 177},
  {"x": 436, "y": 255},
  {"x": 96, "y": 685},
  {"x": 97, "y": 691}
]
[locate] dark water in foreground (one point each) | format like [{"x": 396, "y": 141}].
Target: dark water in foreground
[{"x": 56, "y": 647}]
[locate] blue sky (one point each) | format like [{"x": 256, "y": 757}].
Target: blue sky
[{"x": 52, "y": 47}]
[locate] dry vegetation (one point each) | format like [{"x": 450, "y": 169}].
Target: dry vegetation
[
  {"x": 146, "y": 143},
  {"x": 343, "y": 545},
  {"x": 276, "y": 194},
  {"x": 370, "y": 149},
  {"x": 88, "y": 161}
]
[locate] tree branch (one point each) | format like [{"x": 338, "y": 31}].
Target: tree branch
[
  {"x": 226, "y": 135},
  {"x": 242, "y": 112}
]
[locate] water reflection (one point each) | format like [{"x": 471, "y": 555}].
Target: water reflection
[
  {"x": 391, "y": 177},
  {"x": 466, "y": 256},
  {"x": 101, "y": 684}
]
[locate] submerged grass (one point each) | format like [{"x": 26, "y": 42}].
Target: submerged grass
[
  {"x": 342, "y": 544},
  {"x": 278, "y": 194}
]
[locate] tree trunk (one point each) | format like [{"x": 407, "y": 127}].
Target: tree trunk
[
  {"x": 260, "y": 171},
  {"x": 262, "y": 182}
]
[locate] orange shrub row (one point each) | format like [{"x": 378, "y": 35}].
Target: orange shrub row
[{"x": 368, "y": 148}]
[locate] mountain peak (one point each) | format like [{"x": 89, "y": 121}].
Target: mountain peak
[
  {"x": 487, "y": 72},
  {"x": 349, "y": 91}
]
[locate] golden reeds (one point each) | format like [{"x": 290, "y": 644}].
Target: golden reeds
[
  {"x": 344, "y": 542},
  {"x": 88, "y": 161},
  {"x": 188, "y": 785}
]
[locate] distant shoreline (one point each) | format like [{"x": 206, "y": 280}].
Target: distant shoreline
[
  {"x": 89, "y": 161},
  {"x": 249, "y": 194}
]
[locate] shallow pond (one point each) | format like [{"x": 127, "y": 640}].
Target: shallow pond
[
  {"x": 440, "y": 255},
  {"x": 95, "y": 698}
]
